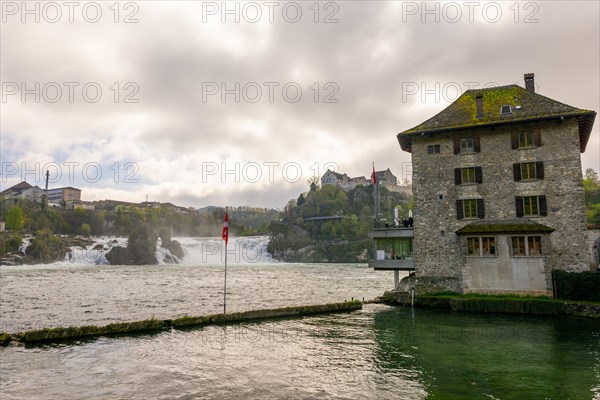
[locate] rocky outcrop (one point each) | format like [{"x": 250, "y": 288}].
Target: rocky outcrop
[
  {"x": 45, "y": 248},
  {"x": 173, "y": 246},
  {"x": 140, "y": 249},
  {"x": 76, "y": 241},
  {"x": 117, "y": 256}
]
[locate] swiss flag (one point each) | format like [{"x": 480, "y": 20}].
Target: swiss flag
[
  {"x": 374, "y": 176},
  {"x": 225, "y": 234}
]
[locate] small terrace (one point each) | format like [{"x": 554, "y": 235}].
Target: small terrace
[{"x": 392, "y": 246}]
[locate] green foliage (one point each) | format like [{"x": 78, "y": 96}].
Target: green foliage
[
  {"x": 577, "y": 285},
  {"x": 591, "y": 187},
  {"x": 45, "y": 247},
  {"x": 342, "y": 240},
  {"x": 122, "y": 221},
  {"x": 14, "y": 219},
  {"x": 86, "y": 229},
  {"x": 5, "y": 339},
  {"x": 9, "y": 241}
]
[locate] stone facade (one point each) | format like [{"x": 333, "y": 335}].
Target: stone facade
[
  {"x": 593, "y": 243},
  {"x": 498, "y": 193},
  {"x": 439, "y": 252}
]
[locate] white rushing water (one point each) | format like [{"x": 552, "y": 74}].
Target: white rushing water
[{"x": 245, "y": 250}]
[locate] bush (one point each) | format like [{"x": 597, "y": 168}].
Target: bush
[
  {"x": 9, "y": 242},
  {"x": 577, "y": 285},
  {"x": 45, "y": 248}
]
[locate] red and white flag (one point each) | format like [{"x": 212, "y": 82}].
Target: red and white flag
[
  {"x": 374, "y": 176},
  {"x": 225, "y": 234}
]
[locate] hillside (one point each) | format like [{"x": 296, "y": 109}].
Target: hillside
[{"x": 304, "y": 233}]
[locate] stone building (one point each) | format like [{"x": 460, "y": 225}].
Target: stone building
[
  {"x": 385, "y": 179},
  {"x": 498, "y": 193}
]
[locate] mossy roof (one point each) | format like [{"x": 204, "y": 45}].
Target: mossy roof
[
  {"x": 462, "y": 113},
  {"x": 503, "y": 227}
]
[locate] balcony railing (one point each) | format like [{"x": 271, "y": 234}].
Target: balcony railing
[{"x": 402, "y": 264}]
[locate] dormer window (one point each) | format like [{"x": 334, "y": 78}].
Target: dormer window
[{"x": 506, "y": 110}]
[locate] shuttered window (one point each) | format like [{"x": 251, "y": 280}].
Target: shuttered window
[
  {"x": 531, "y": 206},
  {"x": 470, "y": 208},
  {"x": 526, "y": 139},
  {"x": 528, "y": 171},
  {"x": 467, "y": 145},
  {"x": 468, "y": 175}
]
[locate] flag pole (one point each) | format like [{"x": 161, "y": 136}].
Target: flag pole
[
  {"x": 225, "y": 286},
  {"x": 225, "y": 237},
  {"x": 375, "y": 197}
]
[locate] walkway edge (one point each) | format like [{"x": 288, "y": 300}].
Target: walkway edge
[
  {"x": 528, "y": 306},
  {"x": 153, "y": 325}
]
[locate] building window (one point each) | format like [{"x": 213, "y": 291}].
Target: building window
[
  {"x": 506, "y": 110},
  {"x": 472, "y": 246},
  {"x": 467, "y": 145},
  {"x": 528, "y": 171},
  {"x": 433, "y": 149},
  {"x": 468, "y": 175},
  {"x": 481, "y": 246},
  {"x": 470, "y": 208},
  {"x": 526, "y": 139},
  {"x": 531, "y": 206},
  {"x": 526, "y": 246}
]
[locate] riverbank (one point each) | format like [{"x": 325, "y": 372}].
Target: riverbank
[
  {"x": 512, "y": 304},
  {"x": 154, "y": 325}
]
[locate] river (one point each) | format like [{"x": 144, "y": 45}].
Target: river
[{"x": 380, "y": 352}]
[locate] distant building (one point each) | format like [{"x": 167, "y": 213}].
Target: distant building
[
  {"x": 385, "y": 179},
  {"x": 2, "y": 226},
  {"x": 24, "y": 191},
  {"x": 15, "y": 190},
  {"x": 334, "y": 178},
  {"x": 64, "y": 194},
  {"x": 112, "y": 205}
]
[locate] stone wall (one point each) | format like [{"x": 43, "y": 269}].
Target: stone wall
[
  {"x": 438, "y": 251},
  {"x": 505, "y": 273},
  {"x": 593, "y": 243}
]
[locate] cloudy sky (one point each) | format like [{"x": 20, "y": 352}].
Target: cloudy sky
[{"x": 212, "y": 103}]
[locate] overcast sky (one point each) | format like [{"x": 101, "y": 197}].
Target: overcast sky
[{"x": 180, "y": 102}]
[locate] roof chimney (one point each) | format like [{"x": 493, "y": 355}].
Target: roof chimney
[
  {"x": 529, "y": 82},
  {"x": 479, "y": 103}
]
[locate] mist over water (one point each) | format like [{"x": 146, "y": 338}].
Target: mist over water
[{"x": 244, "y": 250}]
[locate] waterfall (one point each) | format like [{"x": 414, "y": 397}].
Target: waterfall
[{"x": 197, "y": 251}]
